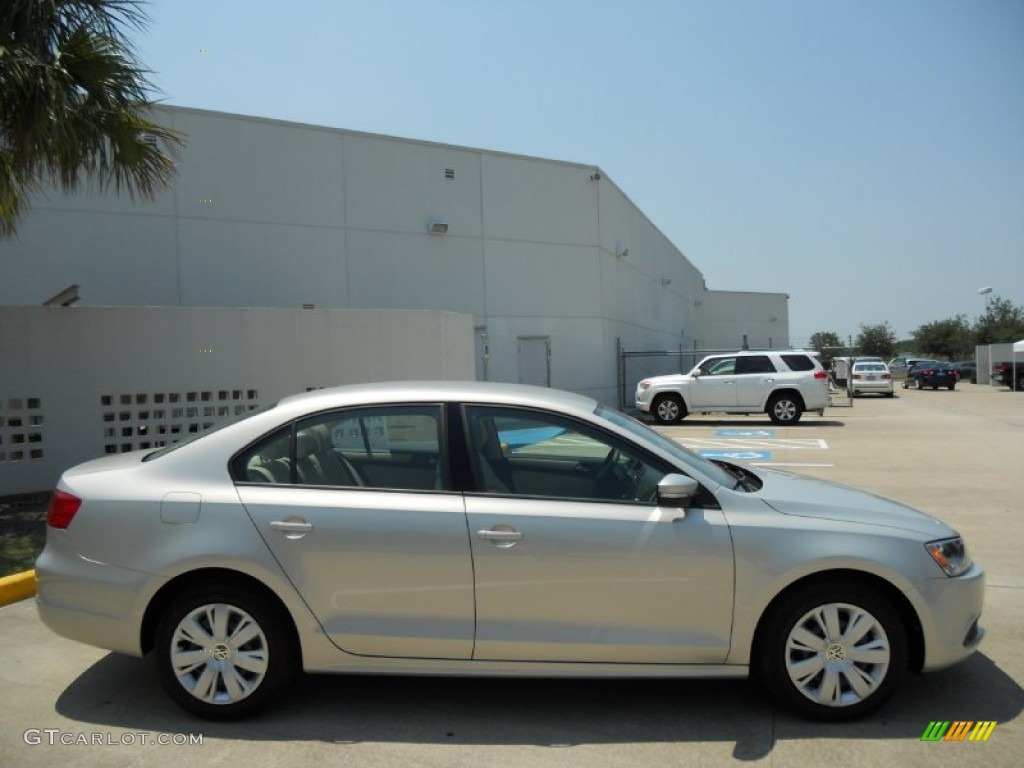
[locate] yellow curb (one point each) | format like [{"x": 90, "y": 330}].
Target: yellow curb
[{"x": 17, "y": 587}]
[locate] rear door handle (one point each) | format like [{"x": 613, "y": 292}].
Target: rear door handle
[{"x": 291, "y": 526}]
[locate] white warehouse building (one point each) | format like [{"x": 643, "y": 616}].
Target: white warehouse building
[{"x": 553, "y": 263}]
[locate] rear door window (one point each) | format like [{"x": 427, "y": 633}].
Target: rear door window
[{"x": 798, "y": 362}]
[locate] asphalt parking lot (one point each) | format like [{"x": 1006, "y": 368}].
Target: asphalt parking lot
[{"x": 956, "y": 454}]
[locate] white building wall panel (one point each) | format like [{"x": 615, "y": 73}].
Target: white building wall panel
[
  {"x": 405, "y": 270},
  {"x": 539, "y": 201},
  {"x": 256, "y": 264},
  {"x": 240, "y": 169},
  {"x": 401, "y": 186},
  {"x": 542, "y": 279},
  {"x": 114, "y": 258},
  {"x": 762, "y": 317}
]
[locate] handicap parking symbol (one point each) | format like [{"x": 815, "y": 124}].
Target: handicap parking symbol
[
  {"x": 745, "y": 433},
  {"x": 737, "y": 455}
]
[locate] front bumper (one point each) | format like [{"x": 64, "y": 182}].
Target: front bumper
[
  {"x": 643, "y": 399},
  {"x": 951, "y": 621}
]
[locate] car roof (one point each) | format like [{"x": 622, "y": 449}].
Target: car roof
[
  {"x": 438, "y": 391},
  {"x": 744, "y": 352}
]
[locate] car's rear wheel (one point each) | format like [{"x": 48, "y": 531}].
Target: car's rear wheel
[
  {"x": 833, "y": 651},
  {"x": 951, "y": 387},
  {"x": 785, "y": 409},
  {"x": 668, "y": 409},
  {"x": 223, "y": 652}
]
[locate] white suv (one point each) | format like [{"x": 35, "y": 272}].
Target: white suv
[{"x": 781, "y": 383}]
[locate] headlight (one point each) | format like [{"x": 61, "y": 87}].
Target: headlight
[
  {"x": 645, "y": 384},
  {"x": 950, "y": 555}
]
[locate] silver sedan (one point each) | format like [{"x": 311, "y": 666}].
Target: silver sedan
[{"x": 484, "y": 529}]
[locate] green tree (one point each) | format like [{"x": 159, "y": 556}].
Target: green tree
[
  {"x": 822, "y": 340},
  {"x": 1002, "y": 322},
  {"x": 74, "y": 103},
  {"x": 876, "y": 340},
  {"x": 827, "y": 344},
  {"x": 951, "y": 339}
]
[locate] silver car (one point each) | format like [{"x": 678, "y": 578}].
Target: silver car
[{"x": 486, "y": 529}]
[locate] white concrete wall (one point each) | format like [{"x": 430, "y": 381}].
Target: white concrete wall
[
  {"x": 762, "y": 317},
  {"x": 59, "y": 365},
  {"x": 266, "y": 213}
]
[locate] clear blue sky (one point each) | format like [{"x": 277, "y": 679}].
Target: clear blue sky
[{"x": 866, "y": 157}]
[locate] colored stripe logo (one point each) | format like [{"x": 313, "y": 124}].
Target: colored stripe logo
[{"x": 958, "y": 730}]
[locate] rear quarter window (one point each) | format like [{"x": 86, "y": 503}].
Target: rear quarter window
[{"x": 798, "y": 362}]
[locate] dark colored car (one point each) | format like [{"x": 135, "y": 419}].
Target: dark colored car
[
  {"x": 932, "y": 375},
  {"x": 1009, "y": 374},
  {"x": 966, "y": 369}
]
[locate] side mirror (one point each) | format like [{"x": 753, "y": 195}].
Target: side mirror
[
  {"x": 677, "y": 491},
  {"x": 695, "y": 373}
]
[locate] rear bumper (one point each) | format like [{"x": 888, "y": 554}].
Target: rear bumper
[{"x": 88, "y": 601}]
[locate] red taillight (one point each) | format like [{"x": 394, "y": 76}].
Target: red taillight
[
  {"x": 62, "y": 509},
  {"x": 857, "y": 376},
  {"x": 820, "y": 375},
  {"x": 886, "y": 376}
]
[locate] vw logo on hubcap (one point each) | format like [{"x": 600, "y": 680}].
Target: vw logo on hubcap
[
  {"x": 835, "y": 652},
  {"x": 221, "y": 652}
]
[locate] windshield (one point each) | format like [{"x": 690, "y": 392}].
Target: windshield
[
  {"x": 215, "y": 428},
  {"x": 683, "y": 455}
]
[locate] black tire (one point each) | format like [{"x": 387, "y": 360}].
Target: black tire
[
  {"x": 264, "y": 663},
  {"x": 668, "y": 409},
  {"x": 935, "y": 387},
  {"x": 843, "y": 688},
  {"x": 951, "y": 387},
  {"x": 785, "y": 408},
  {"x": 890, "y": 394}
]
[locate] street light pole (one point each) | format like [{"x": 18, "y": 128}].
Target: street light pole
[{"x": 986, "y": 292}]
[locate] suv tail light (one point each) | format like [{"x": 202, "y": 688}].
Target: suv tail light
[
  {"x": 820, "y": 375},
  {"x": 62, "y": 509}
]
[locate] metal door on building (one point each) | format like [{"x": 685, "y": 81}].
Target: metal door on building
[{"x": 535, "y": 360}]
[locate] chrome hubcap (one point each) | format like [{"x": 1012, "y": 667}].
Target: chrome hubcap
[
  {"x": 219, "y": 653},
  {"x": 785, "y": 409},
  {"x": 668, "y": 410},
  {"x": 837, "y": 655}
]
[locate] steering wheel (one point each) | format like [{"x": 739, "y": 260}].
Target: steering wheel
[{"x": 606, "y": 481}]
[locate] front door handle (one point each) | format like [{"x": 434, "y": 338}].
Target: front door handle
[{"x": 500, "y": 537}]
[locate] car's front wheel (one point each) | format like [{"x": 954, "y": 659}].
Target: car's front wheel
[
  {"x": 833, "y": 651},
  {"x": 668, "y": 409},
  {"x": 785, "y": 409},
  {"x": 223, "y": 652}
]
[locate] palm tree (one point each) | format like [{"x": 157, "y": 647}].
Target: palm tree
[{"x": 74, "y": 103}]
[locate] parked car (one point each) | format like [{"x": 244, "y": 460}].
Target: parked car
[
  {"x": 781, "y": 383},
  {"x": 899, "y": 366},
  {"x": 871, "y": 377},
  {"x": 489, "y": 529},
  {"x": 1009, "y": 374},
  {"x": 934, "y": 375},
  {"x": 966, "y": 369}
]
